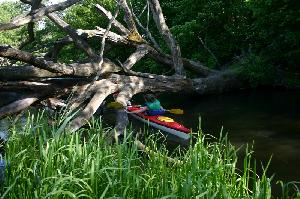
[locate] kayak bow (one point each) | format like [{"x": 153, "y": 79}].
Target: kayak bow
[{"x": 163, "y": 123}]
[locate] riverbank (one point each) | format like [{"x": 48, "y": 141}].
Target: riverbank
[{"x": 46, "y": 163}]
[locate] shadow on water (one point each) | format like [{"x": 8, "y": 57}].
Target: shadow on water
[{"x": 270, "y": 119}]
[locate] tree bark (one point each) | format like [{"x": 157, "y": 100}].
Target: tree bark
[
  {"x": 167, "y": 35},
  {"x": 115, "y": 23},
  {"x": 73, "y": 34},
  {"x": 140, "y": 52},
  {"x": 89, "y": 83},
  {"x": 18, "y": 105},
  {"x": 36, "y": 15}
]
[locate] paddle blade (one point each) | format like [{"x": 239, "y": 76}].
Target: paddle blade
[
  {"x": 114, "y": 105},
  {"x": 176, "y": 111}
]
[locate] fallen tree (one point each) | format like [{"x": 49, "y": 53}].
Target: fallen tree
[{"x": 44, "y": 78}]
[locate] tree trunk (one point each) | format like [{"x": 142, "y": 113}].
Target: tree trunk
[{"x": 41, "y": 79}]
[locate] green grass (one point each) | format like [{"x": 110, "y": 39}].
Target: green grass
[{"x": 47, "y": 163}]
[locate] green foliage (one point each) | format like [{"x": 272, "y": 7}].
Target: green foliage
[
  {"x": 287, "y": 188},
  {"x": 149, "y": 66},
  {"x": 228, "y": 28},
  {"x": 46, "y": 163},
  {"x": 8, "y": 10},
  {"x": 290, "y": 79},
  {"x": 85, "y": 15},
  {"x": 221, "y": 25},
  {"x": 255, "y": 69},
  {"x": 276, "y": 31}
]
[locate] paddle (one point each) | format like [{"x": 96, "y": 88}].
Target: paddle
[
  {"x": 175, "y": 111},
  {"x": 117, "y": 105},
  {"x": 114, "y": 105}
]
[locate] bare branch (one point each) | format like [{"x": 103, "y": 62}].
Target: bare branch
[
  {"x": 147, "y": 32},
  {"x": 76, "y": 69},
  {"x": 134, "y": 34},
  {"x": 84, "y": 92},
  {"x": 99, "y": 67},
  {"x": 12, "y": 53},
  {"x": 217, "y": 83},
  {"x": 148, "y": 14},
  {"x": 30, "y": 27},
  {"x": 25, "y": 85},
  {"x": 140, "y": 74},
  {"x": 129, "y": 90},
  {"x": 143, "y": 10},
  {"x": 103, "y": 43},
  {"x": 53, "y": 103},
  {"x": 104, "y": 88},
  {"x": 35, "y": 16},
  {"x": 24, "y": 72},
  {"x": 115, "y": 23},
  {"x": 111, "y": 36},
  {"x": 30, "y": 30},
  {"x": 73, "y": 34},
  {"x": 18, "y": 105},
  {"x": 187, "y": 63},
  {"x": 140, "y": 52},
  {"x": 89, "y": 89},
  {"x": 160, "y": 57},
  {"x": 128, "y": 16},
  {"x": 152, "y": 52},
  {"x": 210, "y": 52},
  {"x": 128, "y": 86},
  {"x": 198, "y": 67},
  {"x": 167, "y": 35},
  {"x": 91, "y": 68}
]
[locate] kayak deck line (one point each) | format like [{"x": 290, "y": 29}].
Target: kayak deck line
[{"x": 168, "y": 126}]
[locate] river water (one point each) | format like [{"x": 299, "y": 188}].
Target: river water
[{"x": 270, "y": 119}]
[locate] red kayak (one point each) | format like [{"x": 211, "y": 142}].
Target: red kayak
[{"x": 163, "y": 123}]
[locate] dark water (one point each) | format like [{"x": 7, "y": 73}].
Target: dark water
[{"x": 270, "y": 119}]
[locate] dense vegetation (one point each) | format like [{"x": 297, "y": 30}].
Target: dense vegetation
[
  {"x": 259, "y": 38},
  {"x": 45, "y": 163}
]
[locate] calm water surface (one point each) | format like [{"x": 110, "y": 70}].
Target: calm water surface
[{"x": 270, "y": 119}]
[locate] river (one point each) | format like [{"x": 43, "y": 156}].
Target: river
[{"x": 268, "y": 118}]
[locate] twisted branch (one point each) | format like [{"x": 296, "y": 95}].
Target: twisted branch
[{"x": 36, "y": 15}]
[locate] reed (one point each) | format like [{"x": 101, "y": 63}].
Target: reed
[{"x": 47, "y": 162}]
